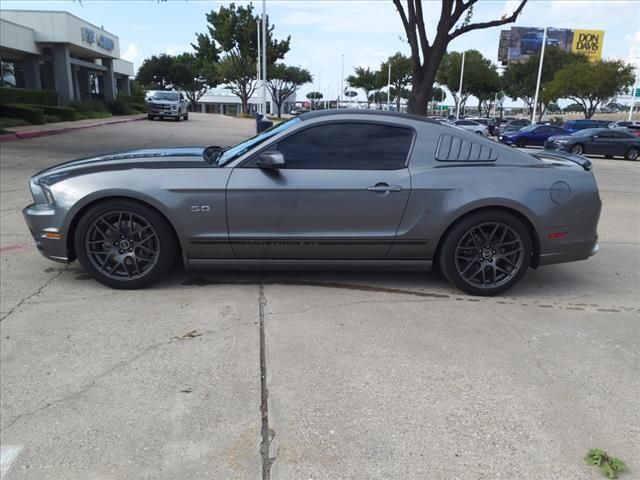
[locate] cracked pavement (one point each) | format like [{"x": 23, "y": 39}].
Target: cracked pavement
[{"x": 312, "y": 375}]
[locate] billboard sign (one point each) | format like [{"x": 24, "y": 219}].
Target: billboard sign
[{"x": 523, "y": 42}]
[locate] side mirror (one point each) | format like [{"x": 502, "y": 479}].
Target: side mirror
[{"x": 270, "y": 160}]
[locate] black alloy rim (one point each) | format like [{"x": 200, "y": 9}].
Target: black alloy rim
[
  {"x": 489, "y": 255},
  {"x": 122, "y": 245}
]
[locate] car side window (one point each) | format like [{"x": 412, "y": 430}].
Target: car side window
[
  {"x": 621, "y": 135},
  {"x": 347, "y": 146}
]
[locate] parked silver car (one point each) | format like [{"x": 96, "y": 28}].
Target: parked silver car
[
  {"x": 168, "y": 105},
  {"x": 329, "y": 189},
  {"x": 472, "y": 126}
]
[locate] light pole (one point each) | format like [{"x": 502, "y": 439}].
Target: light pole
[
  {"x": 258, "y": 63},
  {"x": 389, "y": 89},
  {"x": 460, "y": 87},
  {"x": 535, "y": 101},
  {"x": 633, "y": 92},
  {"x": 341, "y": 82},
  {"x": 264, "y": 58}
]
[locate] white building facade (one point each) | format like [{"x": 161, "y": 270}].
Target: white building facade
[
  {"x": 55, "y": 50},
  {"x": 222, "y": 101}
]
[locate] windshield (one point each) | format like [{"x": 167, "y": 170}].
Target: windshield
[
  {"x": 529, "y": 128},
  {"x": 234, "y": 152},
  {"x": 586, "y": 132},
  {"x": 166, "y": 96}
]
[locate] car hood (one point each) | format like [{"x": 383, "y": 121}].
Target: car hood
[
  {"x": 511, "y": 133},
  {"x": 164, "y": 102},
  {"x": 181, "y": 157}
]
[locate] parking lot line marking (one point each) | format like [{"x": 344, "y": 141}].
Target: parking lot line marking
[
  {"x": 8, "y": 454},
  {"x": 16, "y": 246}
]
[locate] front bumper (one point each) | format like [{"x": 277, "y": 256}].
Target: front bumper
[{"x": 45, "y": 223}]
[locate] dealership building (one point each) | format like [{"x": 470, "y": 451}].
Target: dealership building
[{"x": 54, "y": 50}]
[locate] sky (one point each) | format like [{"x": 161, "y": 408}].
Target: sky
[{"x": 366, "y": 32}]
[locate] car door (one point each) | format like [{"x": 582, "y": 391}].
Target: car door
[
  {"x": 602, "y": 143},
  {"x": 620, "y": 142},
  {"x": 340, "y": 194}
]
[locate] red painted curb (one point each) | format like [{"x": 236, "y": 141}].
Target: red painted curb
[{"x": 56, "y": 131}]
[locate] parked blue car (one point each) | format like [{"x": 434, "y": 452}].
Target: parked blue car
[
  {"x": 531, "y": 135},
  {"x": 573, "y": 126}
]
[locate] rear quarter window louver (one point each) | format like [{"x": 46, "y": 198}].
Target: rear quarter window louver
[{"x": 455, "y": 149}]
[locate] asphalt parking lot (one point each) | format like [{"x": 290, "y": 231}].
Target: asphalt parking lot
[{"x": 312, "y": 375}]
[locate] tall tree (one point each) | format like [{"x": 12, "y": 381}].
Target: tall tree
[
  {"x": 479, "y": 73},
  {"x": 454, "y": 21},
  {"x": 520, "y": 78},
  {"x": 400, "y": 74},
  {"x": 193, "y": 75},
  {"x": 232, "y": 30},
  {"x": 590, "y": 84},
  {"x": 364, "y": 79},
  {"x": 314, "y": 97},
  {"x": 155, "y": 72},
  {"x": 283, "y": 81}
]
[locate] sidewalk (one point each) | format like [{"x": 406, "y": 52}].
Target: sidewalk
[{"x": 32, "y": 131}]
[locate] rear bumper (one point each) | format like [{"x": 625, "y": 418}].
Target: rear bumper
[
  {"x": 570, "y": 252},
  {"x": 43, "y": 220}
]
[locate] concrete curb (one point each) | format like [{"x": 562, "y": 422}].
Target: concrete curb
[{"x": 55, "y": 131}]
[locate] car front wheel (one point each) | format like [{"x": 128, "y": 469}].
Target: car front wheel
[
  {"x": 486, "y": 253},
  {"x": 125, "y": 244},
  {"x": 578, "y": 149}
]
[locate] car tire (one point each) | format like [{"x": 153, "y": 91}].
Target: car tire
[
  {"x": 608, "y": 156},
  {"x": 485, "y": 253},
  {"x": 521, "y": 143},
  {"x": 125, "y": 244},
  {"x": 632, "y": 154},
  {"x": 578, "y": 149},
  {"x": 150, "y": 117},
  {"x": 178, "y": 118},
  {"x": 186, "y": 115}
]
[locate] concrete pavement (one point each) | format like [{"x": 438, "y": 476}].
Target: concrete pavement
[{"x": 365, "y": 375}]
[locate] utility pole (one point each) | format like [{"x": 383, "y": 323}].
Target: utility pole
[
  {"x": 460, "y": 87},
  {"x": 535, "y": 102},
  {"x": 264, "y": 58}
]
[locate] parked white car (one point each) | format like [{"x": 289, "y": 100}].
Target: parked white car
[
  {"x": 622, "y": 124},
  {"x": 472, "y": 126}
]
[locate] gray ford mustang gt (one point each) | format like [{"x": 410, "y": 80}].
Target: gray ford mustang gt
[{"x": 332, "y": 189}]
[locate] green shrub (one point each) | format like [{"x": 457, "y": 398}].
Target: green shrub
[
  {"x": 33, "y": 115},
  {"x": 131, "y": 98},
  {"x": 33, "y": 97},
  {"x": 52, "y": 118},
  {"x": 118, "y": 107},
  {"x": 6, "y": 122},
  {"x": 92, "y": 115},
  {"x": 88, "y": 106},
  {"x": 67, "y": 114}
]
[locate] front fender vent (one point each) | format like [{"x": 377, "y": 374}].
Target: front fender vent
[{"x": 456, "y": 149}]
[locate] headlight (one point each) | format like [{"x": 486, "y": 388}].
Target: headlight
[
  {"x": 174, "y": 107},
  {"x": 41, "y": 194}
]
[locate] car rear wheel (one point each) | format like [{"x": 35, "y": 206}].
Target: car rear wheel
[
  {"x": 125, "y": 244},
  {"x": 578, "y": 149},
  {"x": 486, "y": 253},
  {"x": 632, "y": 154}
]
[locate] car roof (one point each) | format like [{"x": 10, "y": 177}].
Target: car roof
[{"x": 371, "y": 113}]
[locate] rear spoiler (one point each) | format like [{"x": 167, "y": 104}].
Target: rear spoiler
[{"x": 584, "y": 162}]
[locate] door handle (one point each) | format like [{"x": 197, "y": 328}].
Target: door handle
[{"x": 384, "y": 187}]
